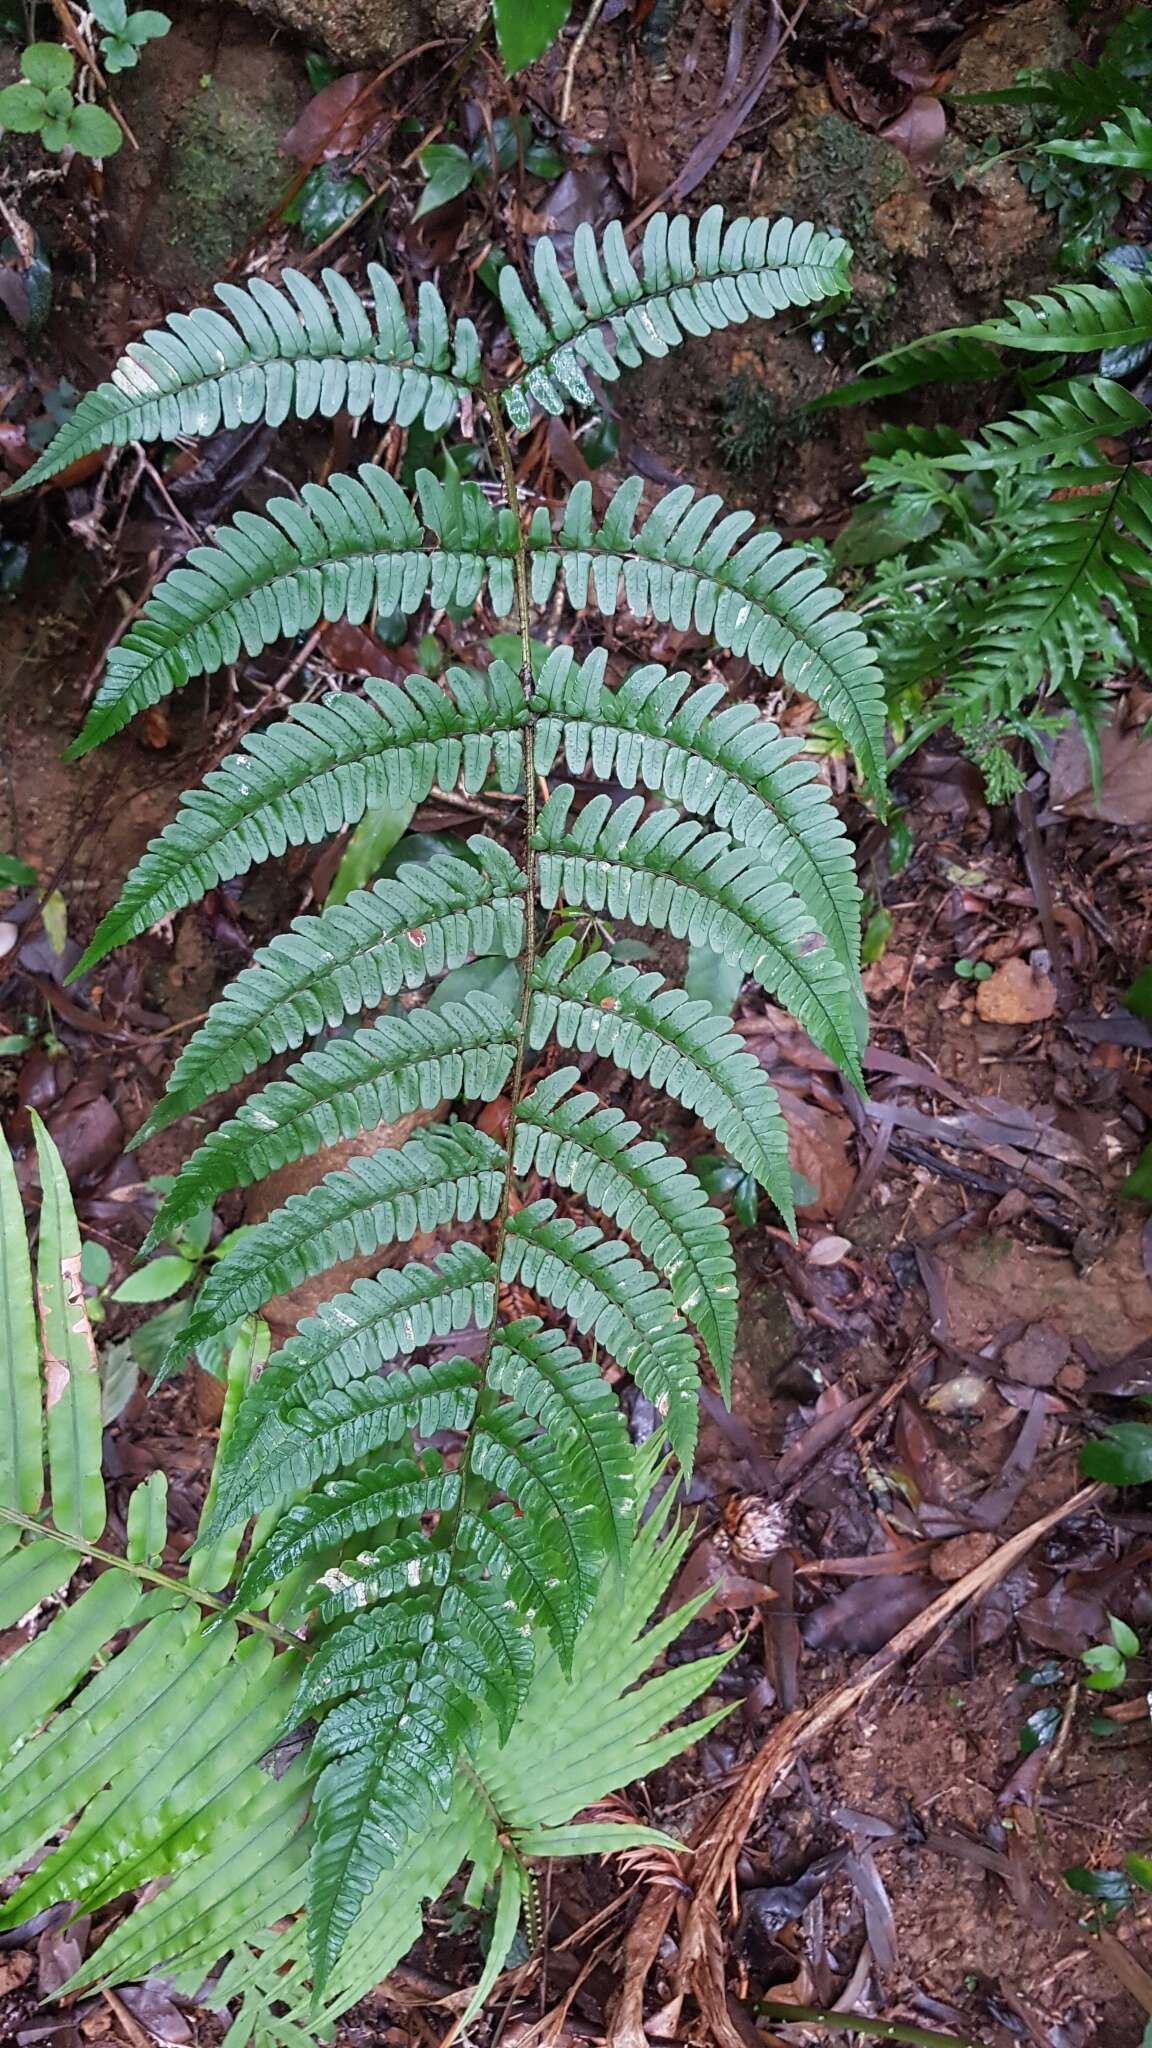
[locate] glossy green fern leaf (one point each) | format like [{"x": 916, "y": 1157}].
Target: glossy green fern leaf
[
  {"x": 398, "y": 934},
  {"x": 395, "y": 1067},
  {"x": 135, "y": 1720},
  {"x": 1058, "y": 424},
  {"x": 689, "y": 282},
  {"x": 319, "y": 773},
  {"x": 303, "y": 351},
  {"x": 1124, "y": 145}
]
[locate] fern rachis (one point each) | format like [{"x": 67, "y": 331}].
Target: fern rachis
[{"x": 426, "y": 1588}]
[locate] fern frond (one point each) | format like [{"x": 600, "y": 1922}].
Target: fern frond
[
  {"x": 319, "y": 1413},
  {"x": 356, "y": 543},
  {"x": 395, "y": 935},
  {"x": 302, "y": 351},
  {"x": 650, "y": 1194},
  {"x": 1124, "y": 145},
  {"x": 1056, "y": 425},
  {"x": 675, "y": 1039},
  {"x": 686, "y": 285},
  {"x": 395, "y": 1066},
  {"x": 662, "y": 870},
  {"x": 598, "y": 1283},
  {"x": 447, "y": 1174},
  {"x": 950, "y": 356},
  {"x": 1088, "y": 555},
  {"x": 736, "y": 767},
  {"x": 317, "y": 774},
  {"x": 426, "y": 1665},
  {"x": 1075, "y": 319}
]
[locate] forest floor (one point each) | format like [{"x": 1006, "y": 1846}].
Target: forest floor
[{"x": 916, "y": 1377}]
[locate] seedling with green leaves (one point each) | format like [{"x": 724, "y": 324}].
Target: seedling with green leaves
[
  {"x": 1106, "y": 1664},
  {"x": 44, "y": 104},
  {"x": 124, "y": 35},
  {"x": 429, "y": 1587}
]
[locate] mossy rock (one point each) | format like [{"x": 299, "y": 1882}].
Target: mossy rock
[
  {"x": 210, "y": 115},
  {"x": 359, "y": 30}
]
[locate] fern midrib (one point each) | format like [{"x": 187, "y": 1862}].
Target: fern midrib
[
  {"x": 449, "y": 1528},
  {"x": 260, "y": 360}
]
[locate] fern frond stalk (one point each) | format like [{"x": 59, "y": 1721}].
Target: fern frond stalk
[{"x": 146, "y": 1575}]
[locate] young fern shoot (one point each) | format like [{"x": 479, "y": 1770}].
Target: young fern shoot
[{"x": 427, "y": 1587}]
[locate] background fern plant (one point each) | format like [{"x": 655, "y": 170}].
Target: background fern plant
[
  {"x": 427, "y": 1586},
  {"x": 1017, "y": 564}
]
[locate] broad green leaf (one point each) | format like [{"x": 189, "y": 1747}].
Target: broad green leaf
[
  {"x": 71, "y": 1378},
  {"x": 159, "y": 1280},
  {"x": 448, "y": 171},
  {"x": 1122, "y": 1456},
  {"x": 368, "y": 848},
  {"x": 21, "y": 1428},
  {"x": 48, "y": 65},
  {"x": 93, "y": 132},
  {"x": 526, "y": 28}
]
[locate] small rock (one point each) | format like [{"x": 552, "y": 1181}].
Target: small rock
[
  {"x": 961, "y": 1554},
  {"x": 1037, "y": 1356},
  {"x": 1016, "y": 994}
]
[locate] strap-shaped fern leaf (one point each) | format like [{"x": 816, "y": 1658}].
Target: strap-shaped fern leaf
[
  {"x": 598, "y": 1283},
  {"x": 358, "y": 542},
  {"x": 319, "y": 773},
  {"x": 1123, "y": 145},
  {"x": 397, "y": 1065},
  {"x": 663, "y": 870},
  {"x": 298, "y": 352},
  {"x": 648, "y": 1192},
  {"x": 735, "y": 767},
  {"x": 447, "y": 1174},
  {"x": 687, "y": 284},
  {"x": 395, "y": 935}
]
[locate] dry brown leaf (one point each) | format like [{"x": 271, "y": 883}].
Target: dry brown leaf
[
  {"x": 818, "y": 1144},
  {"x": 1125, "y": 796},
  {"x": 1016, "y": 994},
  {"x": 918, "y": 133}
]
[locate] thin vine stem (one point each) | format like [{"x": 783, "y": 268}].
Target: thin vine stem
[
  {"x": 863, "y": 2023},
  {"x": 149, "y": 1576}
]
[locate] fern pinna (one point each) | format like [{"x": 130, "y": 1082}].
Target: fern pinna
[{"x": 425, "y": 1585}]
